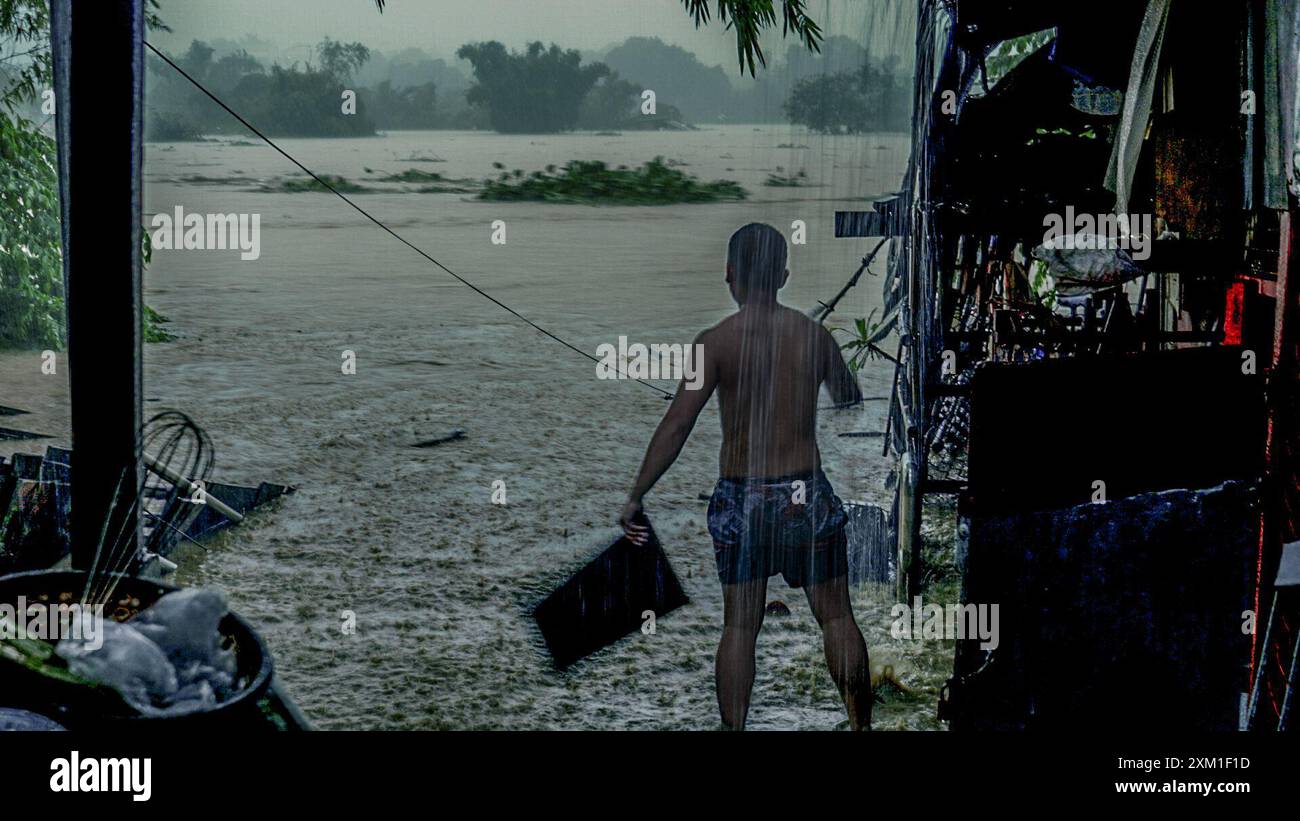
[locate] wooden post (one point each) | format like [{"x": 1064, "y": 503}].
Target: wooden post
[{"x": 98, "y": 72}]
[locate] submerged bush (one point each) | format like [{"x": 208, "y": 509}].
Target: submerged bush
[
  {"x": 303, "y": 185},
  {"x": 431, "y": 182},
  {"x": 414, "y": 175},
  {"x": 654, "y": 183},
  {"x": 779, "y": 180},
  {"x": 167, "y": 127}
]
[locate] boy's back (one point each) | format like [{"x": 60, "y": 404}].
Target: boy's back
[{"x": 770, "y": 365}]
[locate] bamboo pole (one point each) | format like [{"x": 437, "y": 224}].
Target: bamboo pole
[{"x": 178, "y": 480}]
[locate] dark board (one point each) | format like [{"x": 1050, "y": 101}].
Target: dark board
[{"x": 603, "y": 601}]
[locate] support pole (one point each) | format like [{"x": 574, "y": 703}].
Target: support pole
[{"x": 98, "y": 73}]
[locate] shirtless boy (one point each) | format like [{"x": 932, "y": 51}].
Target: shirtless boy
[{"x": 773, "y": 510}]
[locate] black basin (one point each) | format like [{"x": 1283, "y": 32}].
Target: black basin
[{"x": 75, "y": 705}]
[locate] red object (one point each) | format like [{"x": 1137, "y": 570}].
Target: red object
[{"x": 1232, "y": 313}]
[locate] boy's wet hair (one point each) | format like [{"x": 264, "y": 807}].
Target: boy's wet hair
[{"x": 757, "y": 253}]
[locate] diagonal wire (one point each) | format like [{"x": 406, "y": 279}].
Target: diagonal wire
[{"x": 390, "y": 231}]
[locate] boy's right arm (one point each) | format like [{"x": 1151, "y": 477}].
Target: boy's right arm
[{"x": 669, "y": 438}]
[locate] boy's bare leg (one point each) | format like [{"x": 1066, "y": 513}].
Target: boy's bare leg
[
  {"x": 743, "y": 606},
  {"x": 846, "y": 651}
]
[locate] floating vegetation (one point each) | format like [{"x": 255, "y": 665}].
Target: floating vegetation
[
  {"x": 791, "y": 145},
  {"x": 200, "y": 179},
  {"x": 414, "y": 175},
  {"x": 430, "y": 182},
  {"x": 654, "y": 183},
  {"x": 778, "y": 180},
  {"x": 450, "y": 188},
  {"x": 151, "y": 322},
  {"x": 305, "y": 185},
  {"x": 415, "y": 158}
]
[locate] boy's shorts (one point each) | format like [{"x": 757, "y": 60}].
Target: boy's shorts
[{"x": 792, "y": 525}]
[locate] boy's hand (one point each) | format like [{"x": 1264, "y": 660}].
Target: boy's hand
[{"x": 637, "y": 533}]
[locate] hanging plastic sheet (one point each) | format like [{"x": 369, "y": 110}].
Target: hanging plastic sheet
[{"x": 1137, "y": 103}]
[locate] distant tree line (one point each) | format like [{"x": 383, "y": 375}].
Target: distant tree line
[
  {"x": 305, "y": 101},
  {"x": 537, "y": 90}
]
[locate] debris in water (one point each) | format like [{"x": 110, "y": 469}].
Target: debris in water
[
  {"x": 451, "y": 437},
  {"x": 617, "y": 593},
  {"x": 14, "y": 434},
  {"x": 776, "y": 607}
]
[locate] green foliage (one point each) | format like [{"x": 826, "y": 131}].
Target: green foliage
[
  {"x": 830, "y": 104},
  {"x": 341, "y": 60},
  {"x": 151, "y": 321},
  {"x": 31, "y": 257},
  {"x": 299, "y": 103},
  {"x": 32, "y": 310},
  {"x": 749, "y": 18},
  {"x": 677, "y": 76},
  {"x": 302, "y": 185},
  {"x": 292, "y": 102},
  {"x": 430, "y": 182},
  {"x": 167, "y": 127},
  {"x": 870, "y": 99},
  {"x": 412, "y": 107},
  {"x": 594, "y": 182},
  {"x": 539, "y": 91},
  {"x": 25, "y": 25},
  {"x": 859, "y": 347},
  {"x": 225, "y": 74},
  {"x": 414, "y": 175},
  {"x": 612, "y": 104},
  {"x": 1010, "y": 53}
]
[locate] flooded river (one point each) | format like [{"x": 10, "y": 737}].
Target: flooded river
[{"x": 439, "y": 578}]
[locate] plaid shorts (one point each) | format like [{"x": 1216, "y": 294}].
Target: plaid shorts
[{"x": 792, "y": 525}]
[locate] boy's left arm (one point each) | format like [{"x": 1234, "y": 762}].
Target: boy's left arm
[{"x": 670, "y": 436}]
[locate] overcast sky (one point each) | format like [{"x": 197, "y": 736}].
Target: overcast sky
[{"x": 442, "y": 26}]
